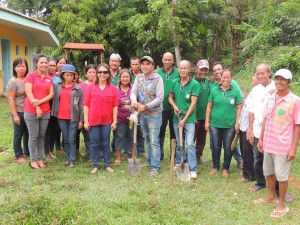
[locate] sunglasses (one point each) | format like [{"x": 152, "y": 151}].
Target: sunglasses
[{"x": 102, "y": 72}]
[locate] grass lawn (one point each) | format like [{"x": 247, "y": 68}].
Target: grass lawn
[{"x": 60, "y": 195}]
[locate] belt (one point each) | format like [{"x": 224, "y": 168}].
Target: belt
[{"x": 150, "y": 113}]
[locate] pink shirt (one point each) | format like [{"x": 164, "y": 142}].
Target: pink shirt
[
  {"x": 40, "y": 89},
  {"x": 280, "y": 118},
  {"x": 101, "y": 103}
]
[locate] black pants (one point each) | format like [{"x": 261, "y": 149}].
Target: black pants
[
  {"x": 258, "y": 166},
  {"x": 51, "y": 135},
  {"x": 248, "y": 157}
]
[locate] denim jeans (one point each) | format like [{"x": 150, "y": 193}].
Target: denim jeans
[
  {"x": 86, "y": 138},
  {"x": 218, "y": 137},
  {"x": 258, "y": 165},
  {"x": 69, "y": 131},
  {"x": 140, "y": 145},
  {"x": 236, "y": 154},
  {"x": 36, "y": 129},
  {"x": 123, "y": 136},
  {"x": 150, "y": 124},
  {"x": 189, "y": 151},
  {"x": 99, "y": 141},
  {"x": 167, "y": 117},
  {"x": 20, "y": 131}
]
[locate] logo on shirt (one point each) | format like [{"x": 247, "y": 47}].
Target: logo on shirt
[
  {"x": 232, "y": 101},
  {"x": 187, "y": 96},
  {"x": 48, "y": 80}
]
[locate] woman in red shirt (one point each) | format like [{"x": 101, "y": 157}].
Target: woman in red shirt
[
  {"x": 39, "y": 91},
  {"x": 67, "y": 107},
  {"x": 100, "y": 115}
]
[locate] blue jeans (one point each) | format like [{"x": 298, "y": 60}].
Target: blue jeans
[
  {"x": 123, "y": 136},
  {"x": 189, "y": 151},
  {"x": 99, "y": 141},
  {"x": 69, "y": 131},
  {"x": 236, "y": 154},
  {"x": 150, "y": 124},
  {"x": 221, "y": 136},
  {"x": 20, "y": 132}
]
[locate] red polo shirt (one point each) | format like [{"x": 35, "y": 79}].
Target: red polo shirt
[
  {"x": 40, "y": 89},
  {"x": 101, "y": 103},
  {"x": 64, "y": 110}
]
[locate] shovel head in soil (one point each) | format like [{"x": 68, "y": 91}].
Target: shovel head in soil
[
  {"x": 134, "y": 166},
  {"x": 183, "y": 172}
]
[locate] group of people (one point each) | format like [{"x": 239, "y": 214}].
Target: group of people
[{"x": 53, "y": 98}]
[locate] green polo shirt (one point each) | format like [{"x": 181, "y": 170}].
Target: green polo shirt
[
  {"x": 233, "y": 83},
  {"x": 223, "y": 113},
  {"x": 167, "y": 78},
  {"x": 182, "y": 97},
  {"x": 203, "y": 98},
  {"x": 115, "y": 80}
]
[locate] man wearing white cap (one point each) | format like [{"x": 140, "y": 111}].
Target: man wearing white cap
[
  {"x": 279, "y": 139},
  {"x": 147, "y": 95}
]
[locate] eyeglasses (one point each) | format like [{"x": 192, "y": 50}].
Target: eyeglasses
[{"x": 102, "y": 72}]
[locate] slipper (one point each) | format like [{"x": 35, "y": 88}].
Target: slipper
[
  {"x": 288, "y": 198},
  {"x": 279, "y": 213},
  {"x": 94, "y": 170},
  {"x": 255, "y": 188},
  {"x": 265, "y": 200},
  {"x": 213, "y": 172},
  {"x": 34, "y": 168},
  {"x": 244, "y": 180},
  {"x": 109, "y": 169},
  {"x": 117, "y": 162},
  {"x": 225, "y": 174}
]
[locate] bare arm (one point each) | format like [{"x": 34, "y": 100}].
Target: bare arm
[
  {"x": 190, "y": 110},
  {"x": 250, "y": 135},
  {"x": 237, "y": 119},
  {"x": 12, "y": 105},
  {"x": 172, "y": 103},
  {"x": 86, "y": 117},
  {"x": 115, "y": 116},
  {"x": 296, "y": 137},
  {"x": 207, "y": 116},
  {"x": 260, "y": 143}
]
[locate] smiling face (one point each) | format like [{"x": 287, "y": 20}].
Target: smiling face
[
  {"x": 184, "y": 69},
  {"x": 102, "y": 74},
  {"x": 21, "y": 69},
  {"x": 226, "y": 79},
  {"x": 263, "y": 74},
  {"x": 60, "y": 64},
  {"x": 114, "y": 63},
  {"x": 167, "y": 61},
  {"x": 42, "y": 65},
  {"x": 91, "y": 75},
  {"x": 202, "y": 73},
  {"x": 217, "y": 71},
  {"x": 125, "y": 78},
  {"x": 281, "y": 83},
  {"x": 68, "y": 77},
  {"x": 147, "y": 67},
  {"x": 51, "y": 67}
]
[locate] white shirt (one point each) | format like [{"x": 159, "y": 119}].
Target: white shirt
[
  {"x": 244, "y": 117},
  {"x": 257, "y": 102}
]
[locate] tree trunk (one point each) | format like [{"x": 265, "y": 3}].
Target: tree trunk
[{"x": 176, "y": 43}]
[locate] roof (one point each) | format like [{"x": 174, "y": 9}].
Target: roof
[
  {"x": 35, "y": 31},
  {"x": 82, "y": 46}
]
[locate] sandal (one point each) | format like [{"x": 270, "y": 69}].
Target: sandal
[
  {"x": 213, "y": 172},
  {"x": 33, "y": 167},
  {"x": 255, "y": 188},
  {"x": 109, "y": 169},
  {"x": 94, "y": 170},
  {"x": 265, "y": 200},
  {"x": 225, "y": 174},
  {"x": 117, "y": 162},
  {"x": 244, "y": 180},
  {"x": 279, "y": 213}
]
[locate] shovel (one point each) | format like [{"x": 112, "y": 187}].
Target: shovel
[
  {"x": 234, "y": 142},
  {"x": 134, "y": 164},
  {"x": 182, "y": 170}
]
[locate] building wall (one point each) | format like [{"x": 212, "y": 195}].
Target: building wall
[{"x": 16, "y": 39}]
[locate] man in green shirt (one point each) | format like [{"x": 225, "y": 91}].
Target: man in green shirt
[
  {"x": 183, "y": 97},
  {"x": 200, "y": 132},
  {"x": 168, "y": 73},
  {"x": 114, "y": 65}
]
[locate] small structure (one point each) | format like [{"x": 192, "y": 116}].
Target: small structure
[
  {"x": 84, "y": 47},
  {"x": 19, "y": 34}
]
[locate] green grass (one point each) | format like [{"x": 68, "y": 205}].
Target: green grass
[{"x": 59, "y": 195}]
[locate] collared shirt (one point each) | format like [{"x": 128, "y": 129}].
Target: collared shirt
[
  {"x": 40, "y": 89},
  {"x": 167, "y": 79},
  {"x": 280, "y": 118},
  {"x": 148, "y": 91},
  {"x": 64, "y": 111},
  {"x": 258, "y": 96},
  {"x": 244, "y": 117},
  {"x": 183, "y": 97}
]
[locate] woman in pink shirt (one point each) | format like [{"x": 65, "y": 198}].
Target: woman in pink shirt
[
  {"x": 100, "y": 115},
  {"x": 39, "y": 91},
  {"x": 90, "y": 74}
]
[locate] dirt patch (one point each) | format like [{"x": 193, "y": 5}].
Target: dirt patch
[
  {"x": 2, "y": 182},
  {"x": 294, "y": 182},
  {"x": 3, "y": 149}
]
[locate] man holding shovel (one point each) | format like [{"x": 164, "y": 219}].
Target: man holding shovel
[{"x": 183, "y": 98}]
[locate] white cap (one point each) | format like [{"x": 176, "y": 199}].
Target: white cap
[{"x": 285, "y": 73}]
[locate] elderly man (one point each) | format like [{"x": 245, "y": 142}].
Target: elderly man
[
  {"x": 168, "y": 73},
  {"x": 279, "y": 139},
  {"x": 256, "y": 105},
  {"x": 200, "y": 132},
  {"x": 114, "y": 65},
  {"x": 147, "y": 95},
  {"x": 183, "y": 97}
]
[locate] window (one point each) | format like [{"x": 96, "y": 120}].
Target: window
[
  {"x": 17, "y": 50},
  {"x": 26, "y": 50}
]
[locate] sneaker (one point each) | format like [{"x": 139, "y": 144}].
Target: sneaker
[
  {"x": 153, "y": 173},
  {"x": 201, "y": 162},
  {"x": 194, "y": 175}
]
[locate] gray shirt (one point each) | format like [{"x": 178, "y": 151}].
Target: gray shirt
[{"x": 19, "y": 87}]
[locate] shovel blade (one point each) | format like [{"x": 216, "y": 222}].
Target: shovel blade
[
  {"x": 134, "y": 166},
  {"x": 183, "y": 172}
]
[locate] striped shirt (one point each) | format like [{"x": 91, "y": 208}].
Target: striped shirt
[{"x": 280, "y": 118}]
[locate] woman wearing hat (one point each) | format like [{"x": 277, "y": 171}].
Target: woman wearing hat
[
  {"x": 39, "y": 91},
  {"x": 100, "y": 115},
  {"x": 67, "y": 107}
]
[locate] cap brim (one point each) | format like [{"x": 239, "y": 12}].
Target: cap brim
[{"x": 201, "y": 67}]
